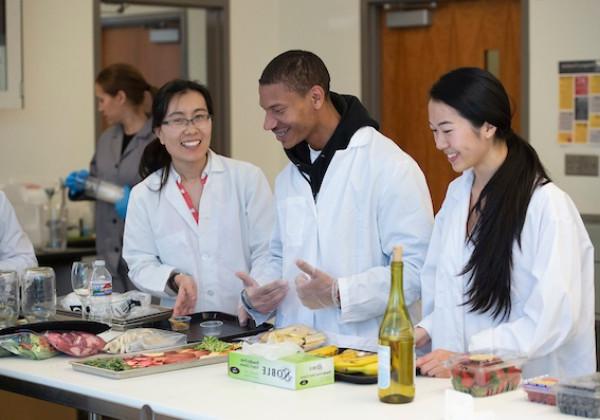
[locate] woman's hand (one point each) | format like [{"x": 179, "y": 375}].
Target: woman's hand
[
  {"x": 432, "y": 364},
  {"x": 421, "y": 337},
  {"x": 185, "y": 303}
]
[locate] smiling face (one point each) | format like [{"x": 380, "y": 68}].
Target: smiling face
[
  {"x": 288, "y": 114},
  {"x": 464, "y": 145},
  {"x": 186, "y": 144}
]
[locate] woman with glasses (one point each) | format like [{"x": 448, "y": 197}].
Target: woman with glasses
[
  {"x": 197, "y": 218},
  {"x": 121, "y": 92}
]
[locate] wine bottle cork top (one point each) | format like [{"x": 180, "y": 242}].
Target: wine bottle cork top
[{"x": 397, "y": 255}]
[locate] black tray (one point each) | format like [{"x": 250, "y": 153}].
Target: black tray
[
  {"x": 356, "y": 378},
  {"x": 230, "y": 331},
  {"x": 58, "y": 325}
]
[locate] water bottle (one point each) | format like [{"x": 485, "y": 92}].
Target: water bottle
[{"x": 100, "y": 294}]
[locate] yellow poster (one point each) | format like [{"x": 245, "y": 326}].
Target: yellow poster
[
  {"x": 595, "y": 84},
  {"x": 566, "y": 92},
  {"x": 581, "y": 132},
  {"x": 579, "y": 102},
  {"x": 565, "y": 137}
]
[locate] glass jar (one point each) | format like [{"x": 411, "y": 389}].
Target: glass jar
[
  {"x": 39, "y": 294},
  {"x": 9, "y": 298}
]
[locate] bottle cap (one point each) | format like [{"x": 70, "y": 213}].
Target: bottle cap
[
  {"x": 99, "y": 263},
  {"x": 397, "y": 255}
]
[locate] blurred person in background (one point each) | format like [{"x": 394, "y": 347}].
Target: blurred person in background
[
  {"x": 197, "y": 217},
  {"x": 120, "y": 90}
]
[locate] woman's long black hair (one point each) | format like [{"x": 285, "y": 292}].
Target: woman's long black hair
[
  {"x": 155, "y": 155},
  {"x": 502, "y": 205}
]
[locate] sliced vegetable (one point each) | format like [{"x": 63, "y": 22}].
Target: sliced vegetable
[{"x": 29, "y": 345}]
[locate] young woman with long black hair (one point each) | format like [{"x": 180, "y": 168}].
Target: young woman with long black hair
[{"x": 510, "y": 264}]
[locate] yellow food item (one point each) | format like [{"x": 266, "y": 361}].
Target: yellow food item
[
  {"x": 353, "y": 361},
  {"x": 370, "y": 369},
  {"x": 305, "y": 337},
  {"x": 325, "y": 351}
]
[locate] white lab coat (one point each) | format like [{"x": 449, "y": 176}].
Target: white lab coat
[
  {"x": 373, "y": 197},
  {"x": 16, "y": 250},
  {"x": 236, "y": 219},
  {"x": 552, "y": 296}
]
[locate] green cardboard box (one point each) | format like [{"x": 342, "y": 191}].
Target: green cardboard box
[{"x": 298, "y": 371}]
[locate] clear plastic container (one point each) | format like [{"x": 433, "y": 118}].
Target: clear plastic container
[
  {"x": 485, "y": 372},
  {"x": 211, "y": 328},
  {"x": 103, "y": 190},
  {"x": 180, "y": 323},
  {"x": 580, "y": 396},
  {"x": 9, "y": 298},
  {"x": 541, "y": 389},
  {"x": 38, "y": 294}
]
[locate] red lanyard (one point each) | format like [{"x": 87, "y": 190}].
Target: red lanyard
[{"x": 188, "y": 199}]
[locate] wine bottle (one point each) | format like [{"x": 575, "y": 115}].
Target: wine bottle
[{"x": 396, "y": 353}]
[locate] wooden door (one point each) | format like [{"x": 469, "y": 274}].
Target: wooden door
[
  {"x": 412, "y": 59},
  {"x": 158, "y": 62}
]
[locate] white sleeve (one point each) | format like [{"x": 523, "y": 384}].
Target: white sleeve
[
  {"x": 16, "y": 250},
  {"x": 404, "y": 216},
  {"x": 428, "y": 273},
  {"x": 260, "y": 219},
  {"x": 561, "y": 264},
  {"x": 146, "y": 270}
]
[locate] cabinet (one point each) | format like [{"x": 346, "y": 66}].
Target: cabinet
[{"x": 11, "y": 75}]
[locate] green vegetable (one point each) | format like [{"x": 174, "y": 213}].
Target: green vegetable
[
  {"x": 212, "y": 344},
  {"x": 111, "y": 363},
  {"x": 29, "y": 345}
]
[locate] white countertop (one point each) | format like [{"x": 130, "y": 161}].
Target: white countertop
[{"x": 207, "y": 392}]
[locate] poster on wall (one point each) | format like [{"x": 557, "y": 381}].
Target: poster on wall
[{"x": 579, "y": 102}]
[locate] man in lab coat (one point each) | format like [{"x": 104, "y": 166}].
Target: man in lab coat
[
  {"x": 347, "y": 197},
  {"x": 16, "y": 250}
]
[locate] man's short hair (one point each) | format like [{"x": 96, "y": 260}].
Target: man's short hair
[{"x": 298, "y": 70}]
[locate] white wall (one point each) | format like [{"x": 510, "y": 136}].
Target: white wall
[
  {"x": 54, "y": 132},
  {"x": 559, "y": 31},
  {"x": 261, "y": 29}
]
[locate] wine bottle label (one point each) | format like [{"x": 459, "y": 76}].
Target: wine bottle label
[{"x": 383, "y": 366}]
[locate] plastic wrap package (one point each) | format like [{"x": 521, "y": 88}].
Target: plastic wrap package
[
  {"x": 140, "y": 339},
  {"x": 271, "y": 351},
  {"x": 304, "y": 336},
  {"x": 75, "y": 343},
  {"x": 132, "y": 304},
  {"x": 28, "y": 345}
]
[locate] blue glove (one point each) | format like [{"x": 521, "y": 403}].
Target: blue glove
[
  {"x": 121, "y": 205},
  {"x": 75, "y": 182}
]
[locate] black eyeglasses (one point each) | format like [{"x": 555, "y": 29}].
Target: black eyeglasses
[{"x": 198, "y": 120}]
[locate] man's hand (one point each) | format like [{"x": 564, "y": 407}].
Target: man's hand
[
  {"x": 432, "y": 364},
  {"x": 316, "y": 289},
  {"x": 264, "y": 299},
  {"x": 185, "y": 303}
]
